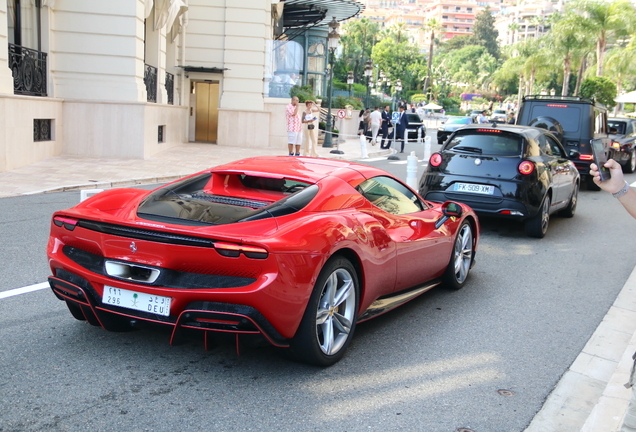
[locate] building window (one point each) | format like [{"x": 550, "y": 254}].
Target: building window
[
  {"x": 283, "y": 66},
  {"x": 469, "y": 9},
  {"x": 170, "y": 88},
  {"x": 161, "y": 136},
  {"x": 26, "y": 61},
  {"x": 41, "y": 129},
  {"x": 150, "y": 80}
]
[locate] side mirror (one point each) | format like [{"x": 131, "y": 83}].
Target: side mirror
[
  {"x": 451, "y": 209},
  {"x": 574, "y": 154}
]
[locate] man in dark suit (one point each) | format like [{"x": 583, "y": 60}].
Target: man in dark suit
[
  {"x": 386, "y": 121},
  {"x": 400, "y": 128}
]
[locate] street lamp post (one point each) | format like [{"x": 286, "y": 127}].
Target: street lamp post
[
  {"x": 368, "y": 71},
  {"x": 398, "y": 88},
  {"x": 332, "y": 41},
  {"x": 350, "y": 81}
]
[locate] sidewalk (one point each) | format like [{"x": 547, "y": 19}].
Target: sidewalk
[
  {"x": 65, "y": 173},
  {"x": 590, "y": 397}
]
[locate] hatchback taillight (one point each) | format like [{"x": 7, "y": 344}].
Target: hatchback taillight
[
  {"x": 526, "y": 168},
  {"x": 436, "y": 160}
]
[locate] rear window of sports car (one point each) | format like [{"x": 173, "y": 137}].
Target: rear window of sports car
[{"x": 492, "y": 144}]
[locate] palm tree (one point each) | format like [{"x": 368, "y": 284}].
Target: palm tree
[
  {"x": 433, "y": 25},
  {"x": 604, "y": 20},
  {"x": 566, "y": 38},
  {"x": 514, "y": 28}
]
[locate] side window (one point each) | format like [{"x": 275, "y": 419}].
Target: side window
[
  {"x": 554, "y": 147},
  {"x": 390, "y": 195},
  {"x": 629, "y": 129},
  {"x": 600, "y": 122},
  {"x": 544, "y": 146}
]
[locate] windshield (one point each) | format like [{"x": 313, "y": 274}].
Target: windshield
[
  {"x": 460, "y": 120},
  {"x": 619, "y": 125},
  {"x": 499, "y": 112},
  {"x": 492, "y": 144}
]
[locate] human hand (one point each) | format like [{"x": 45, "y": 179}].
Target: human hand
[{"x": 615, "y": 183}]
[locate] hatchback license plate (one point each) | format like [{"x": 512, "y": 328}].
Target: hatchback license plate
[
  {"x": 474, "y": 188},
  {"x": 136, "y": 300}
]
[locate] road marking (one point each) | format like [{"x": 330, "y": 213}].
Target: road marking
[
  {"x": 24, "y": 290},
  {"x": 633, "y": 184},
  {"x": 373, "y": 159}
]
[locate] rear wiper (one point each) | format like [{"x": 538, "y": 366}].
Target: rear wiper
[{"x": 467, "y": 149}]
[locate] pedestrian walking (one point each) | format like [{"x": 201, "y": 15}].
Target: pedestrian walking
[
  {"x": 386, "y": 121},
  {"x": 399, "y": 131},
  {"x": 376, "y": 122},
  {"x": 482, "y": 117},
  {"x": 294, "y": 127}
]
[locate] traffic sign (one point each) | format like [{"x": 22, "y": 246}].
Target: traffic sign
[
  {"x": 395, "y": 118},
  {"x": 341, "y": 114}
]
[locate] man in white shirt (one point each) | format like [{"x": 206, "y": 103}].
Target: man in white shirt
[
  {"x": 376, "y": 122},
  {"x": 482, "y": 118}
]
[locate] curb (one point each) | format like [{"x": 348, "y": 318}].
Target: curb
[{"x": 591, "y": 395}]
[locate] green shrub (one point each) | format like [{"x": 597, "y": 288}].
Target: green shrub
[{"x": 303, "y": 93}]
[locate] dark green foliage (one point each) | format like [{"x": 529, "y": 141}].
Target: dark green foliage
[
  {"x": 484, "y": 32},
  {"x": 600, "y": 88},
  {"x": 303, "y": 92}
]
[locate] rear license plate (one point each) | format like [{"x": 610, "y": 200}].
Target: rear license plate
[
  {"x": 136, "y": 300},
  {"x": 474, "y": 188}
]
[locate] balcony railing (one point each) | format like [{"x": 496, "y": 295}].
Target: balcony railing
[
  {"x": 170, "y": 88},
  {"x": 28, "y": 67},
  {"x": 150, "y": 79}
]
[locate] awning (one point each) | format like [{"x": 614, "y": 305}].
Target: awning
[
  {"x": 626, "y": 98},
  {"x": 432, "y": 106},
  {"x": 202, "y": 69},
  {"x": 302, "y": 13}
]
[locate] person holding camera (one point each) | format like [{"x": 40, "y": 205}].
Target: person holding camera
[
  {"x": 620, "y": 189},
  {"x": 310, "y": 132}
]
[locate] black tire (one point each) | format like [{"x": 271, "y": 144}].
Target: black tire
[
  {"x": 461, "y": 258},
  {"x": 571, "y": 208},
  {"x": 75, "y": 310},
  {"x": 334, "y": 302},
  {"x": 630, "y": 165},
  {"x": 591, "y": 186},
  {"x": 537, "y": 225}
]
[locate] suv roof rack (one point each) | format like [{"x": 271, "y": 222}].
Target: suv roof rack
[{"x": 569, "y": 98}]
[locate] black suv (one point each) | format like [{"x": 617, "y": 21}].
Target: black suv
[{"x": 575, "y": 120}]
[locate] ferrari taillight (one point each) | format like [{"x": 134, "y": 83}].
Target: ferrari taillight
[
  {"x": 436, "y": 160},
  {"x": 67, "y": 223},
  {"x": 234, "y": 250},
  {"x": 526, "y": 167}
]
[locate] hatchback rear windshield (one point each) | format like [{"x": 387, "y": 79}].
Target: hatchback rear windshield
[
  {"x": 568, "y": 116},
  {"x": 491, "y": 144}
]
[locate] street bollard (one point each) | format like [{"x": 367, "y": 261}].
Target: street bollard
[
  {"x": 363, "y": 147},
  {"x": 87, "y": 193},
  {"x": 411, "y": 170},
  {"x": 427, "y": 149},
  {"x": 419, "y": 135}
]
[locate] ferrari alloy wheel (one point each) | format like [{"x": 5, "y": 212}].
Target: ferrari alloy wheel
[
  {"x": 537, "y": 226},
  {"x": 330, "y": 318},
  {"x": 461, "y": 259},
  {"x": 571, "y": 208}
]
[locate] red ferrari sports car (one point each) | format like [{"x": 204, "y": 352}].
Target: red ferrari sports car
[{"x": 298, "y": 250}]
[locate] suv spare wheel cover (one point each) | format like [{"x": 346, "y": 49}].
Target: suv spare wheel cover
[{"x": 550, "y": 124}]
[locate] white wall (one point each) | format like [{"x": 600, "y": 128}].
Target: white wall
[{"x": 97, "y": 50}]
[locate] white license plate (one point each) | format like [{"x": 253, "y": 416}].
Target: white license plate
[
  {"x": 474, "y": 188},
  {"x": 136, "y": 300}
]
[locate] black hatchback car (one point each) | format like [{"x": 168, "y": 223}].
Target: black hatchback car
[
  {"x": 450, "y": 126},
  {"x": 516, "y": 172}
]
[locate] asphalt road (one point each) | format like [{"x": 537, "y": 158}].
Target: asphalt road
[{"x": 435, "y": 364}]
